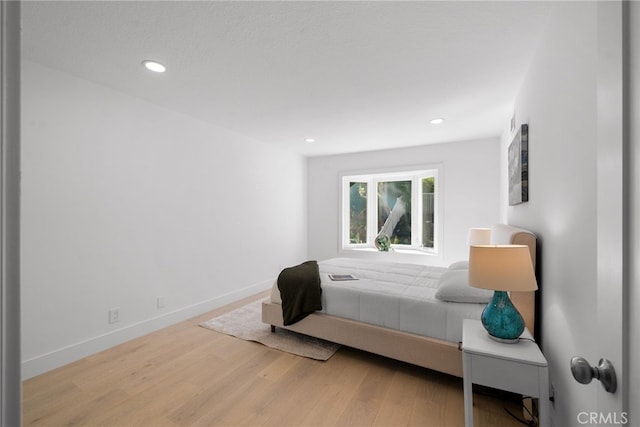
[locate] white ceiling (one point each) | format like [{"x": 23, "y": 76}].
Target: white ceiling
[{"x": 354, "y": 75}]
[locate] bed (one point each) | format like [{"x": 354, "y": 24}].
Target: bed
[{"x": 409, "y": 312}]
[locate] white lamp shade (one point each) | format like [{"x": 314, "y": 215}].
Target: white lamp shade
[
  {"x": 501, "y": 268},
  {"x": 479, "y": 236}
]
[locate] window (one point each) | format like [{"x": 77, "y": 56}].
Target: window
[{"x": 403, "y": 206}]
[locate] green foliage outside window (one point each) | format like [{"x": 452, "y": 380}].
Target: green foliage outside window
[
  {"x": 428, "y": 211},
  {"x": 358, "y": 212}
]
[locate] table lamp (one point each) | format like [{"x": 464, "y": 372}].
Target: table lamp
[
  {"x": 479, "y": 236},
  {"x": 502, "y": 268}
]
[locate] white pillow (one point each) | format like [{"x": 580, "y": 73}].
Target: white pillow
[
  {"x": 460, "y": 265},
  {"x": 454, "y": 287}
]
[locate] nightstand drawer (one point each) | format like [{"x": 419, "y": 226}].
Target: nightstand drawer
[{"x": 505, "y": 375}]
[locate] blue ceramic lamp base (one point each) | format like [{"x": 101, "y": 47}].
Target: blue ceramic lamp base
[{"x": 501, "y": 319}]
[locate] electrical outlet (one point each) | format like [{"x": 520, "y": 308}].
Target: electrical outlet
[
  {"x": 160, "y": 301},
  {"x": 114, "y": 315}
]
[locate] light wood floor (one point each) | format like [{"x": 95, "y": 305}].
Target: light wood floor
[{"x": 186, "y": 375}]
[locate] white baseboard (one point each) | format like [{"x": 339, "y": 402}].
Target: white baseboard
[{"x": 65, "y": 355}]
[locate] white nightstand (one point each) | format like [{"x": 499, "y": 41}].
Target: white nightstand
[{"x": 519, "y": 368}]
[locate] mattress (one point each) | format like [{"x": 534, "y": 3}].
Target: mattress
[{"x": 398, "y": 296}]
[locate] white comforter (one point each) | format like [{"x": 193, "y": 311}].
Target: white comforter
[{"x": 394, "y": 295}]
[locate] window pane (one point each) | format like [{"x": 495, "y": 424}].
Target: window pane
[
  {"x": 358, "y": 212},
  {"x": 428, "y": 211},
  {"x": 394, "y": 211}
]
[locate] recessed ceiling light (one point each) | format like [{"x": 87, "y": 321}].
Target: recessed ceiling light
[
  {"x": 309, "y": 140},
  {"x": 437, "y": 121},
  {"x": 154, "y": 66}
]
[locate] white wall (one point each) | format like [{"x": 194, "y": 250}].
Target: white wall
[
  {"x": 558, "y": 101},
  {"x": 123, "y": 201},
  {"x": 469, "y": 174}
]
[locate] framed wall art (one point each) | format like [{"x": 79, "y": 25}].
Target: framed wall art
[{"x": 519, "y": 167}]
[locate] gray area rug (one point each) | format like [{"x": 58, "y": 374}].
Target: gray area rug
[{"x": 245, "y": 323}]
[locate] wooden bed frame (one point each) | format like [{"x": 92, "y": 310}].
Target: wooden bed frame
[{"x": 439, "y": 355}]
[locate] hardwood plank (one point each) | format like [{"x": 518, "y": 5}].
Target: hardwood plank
[
  {"x": 147, "y": 408},
  {"x": 221, "y": 386},
  {"x": 398, "y": 404},
  {"x": 365, "y": 404},
  {"x": 185, "y": 375},
  {"x": 295, "y": 394},
  {"x": 345, "y": 376},
  {"x": 266, "y": 397},
  {"x": 432, "y": 398}
]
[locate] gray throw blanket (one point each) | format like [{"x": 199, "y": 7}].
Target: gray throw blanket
[{"x": 300, "y": 291}]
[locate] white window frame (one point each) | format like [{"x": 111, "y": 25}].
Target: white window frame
[{"x": 415, "y": 175}]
